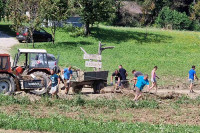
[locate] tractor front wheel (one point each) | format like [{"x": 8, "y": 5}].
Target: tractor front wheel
[{"x": 7, "y": 84}]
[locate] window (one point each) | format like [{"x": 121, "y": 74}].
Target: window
[
  {"x": 4, "y": 63},
  {"x": 38, "y": 60}
]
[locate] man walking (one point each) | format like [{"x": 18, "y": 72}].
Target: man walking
[
  {"x": 141, "y": 82},
  {"x": 191, "y": 76},
  {"x": 67, "y": 78},
  {"x": 136, "y": 74}
]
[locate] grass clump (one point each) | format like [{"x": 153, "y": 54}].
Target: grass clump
[{"x": 8, "y": 100}]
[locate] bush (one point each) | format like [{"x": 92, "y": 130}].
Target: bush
[
  {"x": 195, "y": 26},
  {"x": 74, "y": 31},
  {"x": 173, "y": 19}
]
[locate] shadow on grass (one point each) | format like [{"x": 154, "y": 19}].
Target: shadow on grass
[
  {"x": 117, "y": 36},
  {"x": 7, "y": 30},
  {"x": 65, "y": 44}
]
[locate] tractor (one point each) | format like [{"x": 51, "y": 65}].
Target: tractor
[{"x": 28, "y": 73}]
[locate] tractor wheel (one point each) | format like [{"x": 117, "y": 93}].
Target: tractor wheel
[
  {"x": 7, "y": 84},
  {"x": 77, "y": 89},
  {"x": 45, "y": 80},
  {"x": 97, "y": 86}
]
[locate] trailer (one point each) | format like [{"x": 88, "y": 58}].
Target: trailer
[{"x": 96, "y": 79}]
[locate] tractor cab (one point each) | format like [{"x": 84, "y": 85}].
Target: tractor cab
[
  {"x": 28, "y": 61},
  {"x": 5, "y": 63}
]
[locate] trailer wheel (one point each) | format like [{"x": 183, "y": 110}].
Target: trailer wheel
[
  {"x": 77, "y": 89},
  {"x": 45, "y": 80},
  {"x": 7, "y": 84},
  {"x": 97, "y": 86}
]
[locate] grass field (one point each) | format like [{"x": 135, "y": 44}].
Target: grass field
[
  {"x": 80, "y": 114},
  {"x": 174, "y": 52},
  {"x": 135, "y": 48}
]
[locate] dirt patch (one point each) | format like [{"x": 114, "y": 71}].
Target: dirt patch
[{"x": 31, "y": 97}]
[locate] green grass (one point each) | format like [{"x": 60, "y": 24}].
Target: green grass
[
  {"x": 174, "y": 52},
  {"x": 62, "y": 124}
]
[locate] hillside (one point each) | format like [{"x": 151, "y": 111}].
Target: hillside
[{"x": 174, "y": 52}]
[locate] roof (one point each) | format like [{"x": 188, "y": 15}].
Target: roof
[
  {"x": 32, "y": 50},
  {"x": 4, "y": 55},
  {"x": 131, "y": 7},
  {"x": 74, "y": 19}
]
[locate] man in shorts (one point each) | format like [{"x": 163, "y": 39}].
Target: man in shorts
[
  {"x": 118, "y": 78},
  {"x": 141, "y": 82},
  {"x": 55, "y": 81},
  {"x": 136, "y": 74},
  {"x": 191, "y": 76},
  {"x": 67, "y": 78}
]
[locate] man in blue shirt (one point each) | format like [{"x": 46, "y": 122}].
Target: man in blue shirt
[
  {"x": 141, "y": 82},
  {"x": 67, "y": 78},
  {"x": 55, "y": 81},
  {"x": 191, "y": 76}
]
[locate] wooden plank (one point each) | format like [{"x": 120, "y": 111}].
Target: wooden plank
[
  {"x": 93, "y": 64},
  {"x": 92, "y": 56}
]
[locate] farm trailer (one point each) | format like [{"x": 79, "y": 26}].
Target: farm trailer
[{"x": 95, "y": 79}]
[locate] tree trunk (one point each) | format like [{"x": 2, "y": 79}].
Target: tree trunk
[
  {"x": 32, "y": 39},
  {"x": 87, "y": 28},
  {"x": 53, "y": 31}
]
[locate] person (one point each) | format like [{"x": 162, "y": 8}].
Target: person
[
  {"x": 54, "y": 82},
  {"x": 141, "y": 82},
  {"x": 67, "y": 78},
  {"x": 153, "y": 78},
  {"x": 191, "y": 76},
  {"x": 122, "y": 72},
  {"x": 118, "y": 78},
  {"x": 135, "y": 75}
]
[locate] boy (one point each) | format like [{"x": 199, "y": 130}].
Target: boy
[
  {"x": 191, "y": 76},
  {"x": 55, "y": 80},
  {"x": 141, "y": 82},
  {"x": 153, "y": 78}
]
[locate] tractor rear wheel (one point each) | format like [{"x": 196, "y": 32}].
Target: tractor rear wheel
[
  {"x": 45, "y": 80},
  {"x": 7, "y": 84}
]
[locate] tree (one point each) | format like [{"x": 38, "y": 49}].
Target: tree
[
  {"x": 55, "y": 11},
  {"x": 94, "y": 11},
  {"x": 173, "y": 18},
  {"x": 25, "y": 13},
  {"x": 2, "y": 5},
  {"x": 196, "y": 11}
]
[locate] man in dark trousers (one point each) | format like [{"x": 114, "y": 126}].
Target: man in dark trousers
[{"x": 122, "y": 72}]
